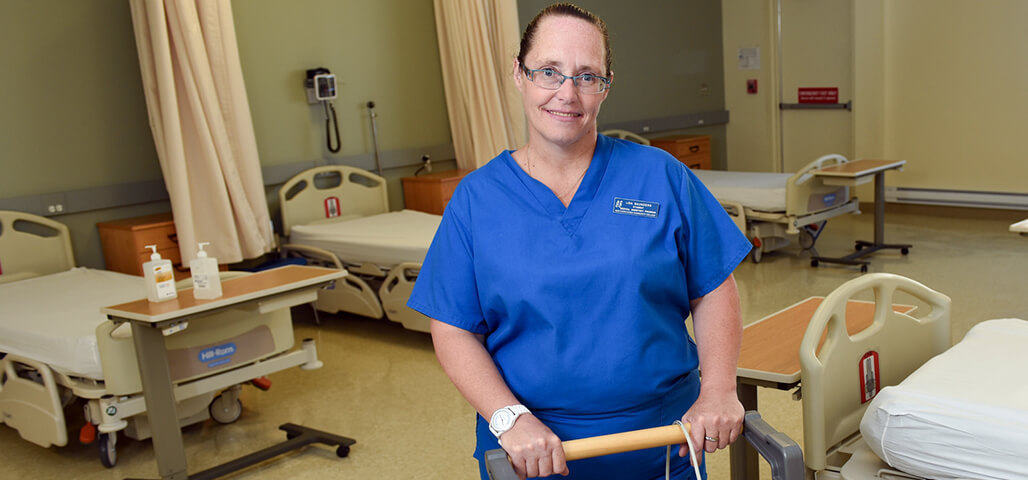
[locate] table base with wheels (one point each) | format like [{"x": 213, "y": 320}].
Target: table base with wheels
[{"x": 855, "y": 173}]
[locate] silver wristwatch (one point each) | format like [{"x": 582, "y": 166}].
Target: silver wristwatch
[{"x": 504, "y": 418}]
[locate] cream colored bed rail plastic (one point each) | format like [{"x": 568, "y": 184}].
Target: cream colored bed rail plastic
[
  {"x": 23, "y": 250},
  {"x": 303, "y": 201},
  {"x": 31, "y": 407},
  {"x": 830, "y": 377}
]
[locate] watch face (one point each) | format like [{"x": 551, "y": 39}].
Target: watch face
[{"x": 502, "y": 420}]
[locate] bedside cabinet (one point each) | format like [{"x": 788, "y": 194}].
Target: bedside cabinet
[
  {"x": 430, "y": 193},
  {"x": 692, "y": 150},
  {"x": 124, "y": 243}
]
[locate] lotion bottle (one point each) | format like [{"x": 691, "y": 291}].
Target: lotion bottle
[
  {"x": 159, "y": 277},
  {"x": 204, "y": 269}
]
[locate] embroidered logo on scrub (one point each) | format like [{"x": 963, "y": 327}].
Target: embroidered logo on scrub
[{"x": 638, "y": 208}]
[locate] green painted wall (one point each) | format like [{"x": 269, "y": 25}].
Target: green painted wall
[{"x": 383, "y": 50}]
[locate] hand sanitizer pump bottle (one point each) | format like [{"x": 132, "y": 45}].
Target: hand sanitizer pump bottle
[
  {"x": 204, "y": 269},
  {"x": 159, "y": 277}
]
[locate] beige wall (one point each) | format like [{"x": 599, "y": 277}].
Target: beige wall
[{"x": 944, "y": 91}]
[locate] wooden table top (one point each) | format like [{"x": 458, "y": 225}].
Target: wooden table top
[
  {"x": 859, "y": 168},
  {"x": 771, "y": 345},
  {"x": 234, "y": 291}
]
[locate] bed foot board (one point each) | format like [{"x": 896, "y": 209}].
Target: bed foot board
[{"x": 297, "y": 436}]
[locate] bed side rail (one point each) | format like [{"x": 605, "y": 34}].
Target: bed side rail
[
  {"x": 330, "y": 191},
  {"x": 805, "y": 193},
  {"x": 30, "y": 401},
  {"x": 783, "y": 453}
]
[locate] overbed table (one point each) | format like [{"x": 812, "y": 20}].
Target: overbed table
[
  {"x": 268, "y": 290},
  {"x": 769, "y": 357},
  {"x": 851, "y": 174}
]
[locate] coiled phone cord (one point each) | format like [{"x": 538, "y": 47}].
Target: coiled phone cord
[{"x": 334, "y": 121}]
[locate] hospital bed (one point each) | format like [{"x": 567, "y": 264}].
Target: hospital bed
[
  {"x": 338, "y": 216},
  {"x": 771, "y": 207},
  {"x": 895, "y": 401},
  {"x": 56, "y": 345}
]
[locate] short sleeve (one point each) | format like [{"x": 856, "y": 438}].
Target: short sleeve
[
  {"x": 446, "y": 286},
  {"x": 711, "y": 245}
]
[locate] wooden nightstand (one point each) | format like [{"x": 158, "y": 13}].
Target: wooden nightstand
[
  {"x": 692, "y": 150},
  {"x": 124, "y": 243},
  {"x": 430, "y": 193}
]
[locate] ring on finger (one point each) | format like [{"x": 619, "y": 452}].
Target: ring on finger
[{"x": 710, "y": 439}]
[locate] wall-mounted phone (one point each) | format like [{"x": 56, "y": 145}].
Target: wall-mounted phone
[{"x": 321, "y": 87}]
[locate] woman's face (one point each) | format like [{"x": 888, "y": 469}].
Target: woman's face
[{"x": 564, "y": 116}]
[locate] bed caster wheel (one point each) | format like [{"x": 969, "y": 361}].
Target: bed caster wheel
[
  {"x": 108, "y": 451},
  {"x": 904, "y": 251},
  {"x": 225, "y": 410},
  {"x": 806, "y": 239},
  {"x": 813, "y": 263},
  {"x": 757, "y": 255},
  {"x": 342, "y": 451},
  {"x": 863, "y": 269}
]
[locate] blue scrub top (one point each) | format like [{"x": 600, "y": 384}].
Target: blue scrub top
[{"x": 583, "y": 308}]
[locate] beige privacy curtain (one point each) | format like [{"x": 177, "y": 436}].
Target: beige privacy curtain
[
  {"x": 201, "y": 126},
  {"x": 478, "y": 41}
]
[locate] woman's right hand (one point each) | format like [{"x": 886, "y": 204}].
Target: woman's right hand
[{"x": 534, "y": 450}]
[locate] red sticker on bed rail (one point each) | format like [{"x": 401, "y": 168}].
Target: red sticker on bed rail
[
  {"x": 870, "y": 381},
  {"x": 331, "y": 207}
]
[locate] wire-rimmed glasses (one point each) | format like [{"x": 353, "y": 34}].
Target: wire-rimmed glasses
[{"x": 550, "y": 79}]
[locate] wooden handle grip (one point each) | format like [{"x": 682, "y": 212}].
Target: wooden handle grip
[{"x": 623, "y": 442}]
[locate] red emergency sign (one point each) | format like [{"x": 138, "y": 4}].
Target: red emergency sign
[{"x": 818, "y": 95}]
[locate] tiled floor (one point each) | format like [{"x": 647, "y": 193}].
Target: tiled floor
[{"x": 381, "y": 383}]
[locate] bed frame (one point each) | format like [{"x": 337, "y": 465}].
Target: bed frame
[
  {"x": 33, "y": 395},
  {"x": 809, "y": 203},
  {"x": 832, "y": 400},
  {"x": 339, "y": 192}
]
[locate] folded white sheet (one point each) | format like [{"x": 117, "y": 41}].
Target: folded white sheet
[
  {"x": 755, "y": 190},
  {"x": 52, "y": 319},
  {"x": 386, "y": 239},
  {"x": 963, "y": 414}
]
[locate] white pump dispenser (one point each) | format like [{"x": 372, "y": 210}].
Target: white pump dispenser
[
  {"x": 159, "y": 277},
  {"x": 204, "y": 269}
]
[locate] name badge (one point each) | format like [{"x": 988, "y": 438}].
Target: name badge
[{"x": 638, "y": 208}]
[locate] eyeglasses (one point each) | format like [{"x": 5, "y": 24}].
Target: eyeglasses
[{"x": 551, "y": 79}]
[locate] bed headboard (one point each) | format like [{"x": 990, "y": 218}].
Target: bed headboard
[
  {"x": 30, "y": 244},
  {"x": 331, "y": 191},
  {"x": 805, "y": 193}
]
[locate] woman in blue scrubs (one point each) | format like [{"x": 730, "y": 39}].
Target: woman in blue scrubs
[{"x": 562, "y": 274}]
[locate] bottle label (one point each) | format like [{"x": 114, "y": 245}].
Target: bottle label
[
  {"x": 201, "y": 280},
  {"x": 165, "y": 280}
]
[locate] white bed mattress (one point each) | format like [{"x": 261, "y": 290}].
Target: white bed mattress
[
  {"x": 759, "y": 191},
  {"x": 53, "y": 318},
  {"x": 386, "y": 239},
  {"x": 963, "y": 414}
]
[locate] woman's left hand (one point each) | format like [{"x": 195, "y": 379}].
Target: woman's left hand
[{"x": 715, "y": 421}]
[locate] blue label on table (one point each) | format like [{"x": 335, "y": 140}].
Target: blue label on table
[
  {"x": 830, "y": 199},
  {"x": 218, "y": 355},
  {"x": 638, "y": 208}
]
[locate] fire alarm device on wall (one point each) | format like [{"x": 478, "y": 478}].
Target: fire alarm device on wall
[{"x": 751, "y": 86}]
